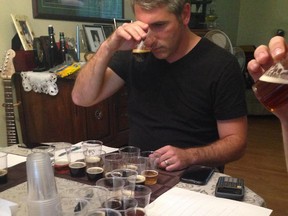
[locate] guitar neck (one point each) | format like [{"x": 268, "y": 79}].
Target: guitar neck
[{"x": 12, "y": 136}]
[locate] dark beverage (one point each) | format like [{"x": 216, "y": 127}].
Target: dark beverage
[
  {"x": 94, "y": 173},
  {"x": 137, "y": 212},
  {"x": 114, "y": 203},
  {"x": 271, "y": 92},
  {"x": 61, "y": 167},
  {"x": 77, "y": 169},
  {"x": 3, "y": 176},
  {"x": 140, "y": 180},
  {"x": 140, "y": 55},
  {"x": 151, "y": 176}
]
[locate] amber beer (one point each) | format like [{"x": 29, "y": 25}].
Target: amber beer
[
  {"x": 272, "y": 92},
  {"x": 151, "y": 176}
]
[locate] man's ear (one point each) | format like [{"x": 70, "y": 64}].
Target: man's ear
[{"x": 186, "y": 13}]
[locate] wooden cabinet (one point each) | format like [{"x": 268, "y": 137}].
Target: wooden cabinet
[{"x": 46, "y": 118}]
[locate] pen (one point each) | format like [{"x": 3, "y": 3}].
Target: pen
[{"x": 74, "y": 149}]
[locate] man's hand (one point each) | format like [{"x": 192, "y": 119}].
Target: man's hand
[
  {"x": 266, "y": 55},
  {"x": 173, "y": 158},
  {"x": 127, "y": 36}
]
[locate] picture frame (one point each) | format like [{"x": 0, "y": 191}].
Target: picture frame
[
  {"x": 24, "y": 31},
  {"x": 94, "y": 35},
  {"x": 78, "y": 10},
  {"x": 119, "y": 22},
  {"x": 108, "y": 29}
]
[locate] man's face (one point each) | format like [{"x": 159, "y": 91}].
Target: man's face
[{"x": 165, "y": 32}]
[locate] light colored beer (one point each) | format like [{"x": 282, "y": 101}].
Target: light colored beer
[
  {"x": 151, "y": 177},
  {"x": 140, "y": 180},
  {"x": 93, "y": 161},
  {"x": 271, "y": 92}
]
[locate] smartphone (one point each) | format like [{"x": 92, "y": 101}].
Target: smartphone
[{"x": 197, "y": 174}]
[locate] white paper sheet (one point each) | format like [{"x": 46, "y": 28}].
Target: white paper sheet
[
  {"x": 7, "y": 208},
  {"x": 182, "y": 202},
  {"x": 13, "y": 159}
]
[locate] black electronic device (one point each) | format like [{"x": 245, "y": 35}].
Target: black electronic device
[
  {"x": 229, "y": 187},
  {"x": 197, "y": 174}
]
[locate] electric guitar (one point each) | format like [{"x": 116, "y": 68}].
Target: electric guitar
[{"x": 7, "y": 70}]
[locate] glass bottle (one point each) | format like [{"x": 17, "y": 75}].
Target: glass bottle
[
  {"x": 63, "y": 49},
  {"x": 52, "y": 47}
]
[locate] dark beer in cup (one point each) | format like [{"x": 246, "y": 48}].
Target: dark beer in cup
[
  {"x": 94, "y": 173},
  {"x": 77, "y": 169},
  {"x": 3, "y": 176},
  {"x": 140, "y": 54}
]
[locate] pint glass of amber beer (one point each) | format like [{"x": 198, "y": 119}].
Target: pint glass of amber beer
[{"x": 272, "y": 87}]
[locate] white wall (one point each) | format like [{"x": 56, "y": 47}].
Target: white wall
[{"x": 259, "y": 20}]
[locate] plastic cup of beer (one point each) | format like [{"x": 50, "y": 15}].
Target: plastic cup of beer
[
  {"x": 104, "y": 212},
  {"x": 3, "y": 168},
  {"x": 94, "y": 164},
  {"x": 272, "y": 87},
  {"x": 138, "y": 164},
  {"x": 95, "y": 145},
  {"x": 141, "y": 193},
  {"x": 95, "y": 195},
  {"x": 61, "y": 161},
  {"x": 77, "y": 165},
  {"x": 112, "y": 161},
  {"x": 151, "y": 171},
  {"x": 129, "y": 152},
  {"x": 113, "y": 184}
]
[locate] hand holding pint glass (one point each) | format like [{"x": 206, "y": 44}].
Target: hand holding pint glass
[
  {"x": 142, "y": 49},
  {"x": 272, "y": 87}
]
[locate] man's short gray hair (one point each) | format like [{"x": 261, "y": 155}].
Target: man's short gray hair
[{"x": 173, "y": 6}]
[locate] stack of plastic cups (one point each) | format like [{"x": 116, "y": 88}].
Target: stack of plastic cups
[{"x": 42, "y": 197}]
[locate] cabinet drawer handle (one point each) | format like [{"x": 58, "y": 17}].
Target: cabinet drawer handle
[{"x": 98, "y": 114}]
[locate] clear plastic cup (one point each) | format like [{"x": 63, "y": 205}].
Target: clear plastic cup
[{"x": 40, "y": 177}]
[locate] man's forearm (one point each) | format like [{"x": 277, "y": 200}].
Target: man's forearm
[
  {"x": 90, "y": 78},
  {"x": 218, "y": 153}
]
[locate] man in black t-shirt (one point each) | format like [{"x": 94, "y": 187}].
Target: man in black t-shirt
[{"x": 186, "y": 98}]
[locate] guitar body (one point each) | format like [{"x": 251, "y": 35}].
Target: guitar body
[{"x": 7, "y": 70}]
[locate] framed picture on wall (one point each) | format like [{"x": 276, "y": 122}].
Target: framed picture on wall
[
  {"x": 78, "y": 10},
  {"x": 24, "y": 31},
  {"x": 119, "y": 22},
  {"x": 108, "y": 29},
  {"x": 94, "y": 36}
]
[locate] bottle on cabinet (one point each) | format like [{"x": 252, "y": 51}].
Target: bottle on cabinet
[
  {"x": 53, "y": 50},
  {"x": 63, "y": 48}
]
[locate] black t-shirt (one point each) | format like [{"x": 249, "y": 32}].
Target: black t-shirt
[{"x": 178, "y": 103}]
